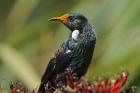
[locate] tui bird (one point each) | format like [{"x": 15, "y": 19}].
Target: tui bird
[{"x": 75, "y": 53}]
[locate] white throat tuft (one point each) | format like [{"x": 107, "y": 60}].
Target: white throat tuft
[{"x": 75, "y": 34}]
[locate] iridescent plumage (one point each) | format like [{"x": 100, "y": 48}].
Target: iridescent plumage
[{"x": 75, "y": 53}]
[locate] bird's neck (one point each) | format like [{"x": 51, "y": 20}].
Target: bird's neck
[{"x": 88, "y": 32}]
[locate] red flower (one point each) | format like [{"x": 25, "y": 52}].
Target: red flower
[{"x": 83, "y": 86}]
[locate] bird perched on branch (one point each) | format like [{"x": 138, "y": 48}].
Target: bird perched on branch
[{"x": 75, "y": 53}]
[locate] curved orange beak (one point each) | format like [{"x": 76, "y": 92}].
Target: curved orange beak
[{"x": 62, "y": 19}]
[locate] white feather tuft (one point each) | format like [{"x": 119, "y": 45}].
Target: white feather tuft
[{"x": 75, "y": 34}]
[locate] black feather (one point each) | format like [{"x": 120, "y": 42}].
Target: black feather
[{"x": 79, "y": 57}]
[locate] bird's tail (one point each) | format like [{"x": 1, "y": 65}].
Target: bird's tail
[
  {"x": 47, "y": 78},
  {"x": 46, "y": 87}
]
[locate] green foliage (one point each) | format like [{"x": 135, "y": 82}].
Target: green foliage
[{"x": 28, "y": 40}]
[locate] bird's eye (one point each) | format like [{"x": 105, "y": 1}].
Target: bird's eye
[{"x": 71, "y": 18}]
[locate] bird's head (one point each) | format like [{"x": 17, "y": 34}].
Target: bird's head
[{"x": 73, "y": 21}]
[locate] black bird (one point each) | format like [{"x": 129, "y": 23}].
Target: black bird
[{"x": 75, "y": 53}]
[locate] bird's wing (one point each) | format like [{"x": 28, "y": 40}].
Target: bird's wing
[{"x": 57, "y": 64}]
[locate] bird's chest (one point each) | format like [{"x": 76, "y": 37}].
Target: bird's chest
[
  {"x": 73, "y": 45},
  {"x": 74, "y": 41},
  {"x": 77, "y": 49},
  {"x": 76, "y": 44}
]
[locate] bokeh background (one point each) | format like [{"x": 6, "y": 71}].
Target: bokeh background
[{"x": 28, "y": 40}]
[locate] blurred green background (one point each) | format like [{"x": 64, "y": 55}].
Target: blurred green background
[{"x": 28, "y": 40}]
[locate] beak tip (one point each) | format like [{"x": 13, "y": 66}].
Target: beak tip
[{"x": 52, "y": 19}]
